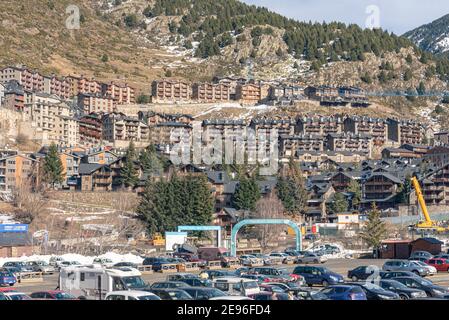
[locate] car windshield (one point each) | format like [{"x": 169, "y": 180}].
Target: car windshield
[
  {"x": 283, "y": 271},
  {"x": 5, "y": 274},
  {"x": 134, "y": 282},
  {"x": 397, "y": 285},
  {"x": 19, "y": 297},
  {"x": 149, "y": 297},
  {"x": 423, "y": 282},
  {"x": 250, "y": 285},
  {"x": 63, "y": 296},
  {"x": 212, "y": 293},
  {"x": 179, "y": 295},
  {"x": 373, "y": 287}
]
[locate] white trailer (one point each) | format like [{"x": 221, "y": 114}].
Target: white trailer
[{"x": 96, "y": 282}]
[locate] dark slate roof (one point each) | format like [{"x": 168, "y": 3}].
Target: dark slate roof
[
  {"x": 218, "y": 177},
  {"x": 430, "y": 240},
  {"x": 89, "y": 168}
]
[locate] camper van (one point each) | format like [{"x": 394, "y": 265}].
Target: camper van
[{"x": 95, "y": 283}]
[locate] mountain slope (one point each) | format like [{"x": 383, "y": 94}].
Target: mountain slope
[{"x": 432, "y": 37}]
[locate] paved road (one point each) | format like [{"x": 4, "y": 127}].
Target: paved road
[{"x": 340, "y": 266}]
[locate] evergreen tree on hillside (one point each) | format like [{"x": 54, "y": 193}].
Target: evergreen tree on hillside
[
  {"x": 128, "y": 173},
  {"x": 53, "y": 169},
  {"x": 339, "y": 204},
  {"x": 150, "y": 162},
  {"x": 246, "y": 194},
  {"x": 375, "y": 230},
  {"x": 355, "y": 188}
]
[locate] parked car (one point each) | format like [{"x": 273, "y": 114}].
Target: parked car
[
  {"x": 363, "y": 273},
  {"x": 168, "y": 285},
  {"x": 439, "y": 263},
  {"x": 212, "y": 274},
  {"x": 344, "y": 292},
  {"x": 171, "y": 294},
  {"x": 250, "y": 260},
  {"x": 41, "y": 266},
  {"x": 55, "y": 260},
  {"x": 442, "y": 255},
  {"x": 14, "y": 295},
  {"x": 268, "y": 296},
  {"x": 64, "y": 264},
  {"x": 431, "y": 289},
  {"x": 190, "y": 279},
  {"x": 311, "y": 236},
  {"x": 231, "y": 298},
  {"x": 419, "y": 255},
  {"x": 294, "y": 253},
  {"x": 157, "y": 262},
  {"x": 318, "y": 275},
  {"x": 125, "y": 264},
  {"x": 17, "y": 266},
  {"x": 375, "y": 292},
  {"x": 105, "y": 262},
  {"x": 52, "y": 295},
  {"x": 267, "y": 260},
  {"x": 432, "y": 270},
  {"x": 301, "y": 293},
  {"x": 311, "y": 257},
  {"x": 131, "y": 295},
  {"x": 204, "y": 293},
  {"x": 7, "y": 278},
  {"x": 283, "y": 256},
  {"x": 404, "y": 265},
  {"x": 190, "y": 257},
  {"x": 278, "y": 274},
  {"x": 402, "y": 290},
  {"x": 396, "y": 274}
]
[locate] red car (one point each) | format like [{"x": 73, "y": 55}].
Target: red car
[
  {"x": 52, "y": 295},
  {"x": 439, "y": 263}
]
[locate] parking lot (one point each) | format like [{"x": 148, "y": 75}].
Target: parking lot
[{"x": 340, "y": 266}]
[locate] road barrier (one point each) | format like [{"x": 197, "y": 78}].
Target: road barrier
[
  {"x": 167, "y": 268},
  {"x": 191, "y": 266},
  {"x": 145, "y": 269},
  {"x": 234, "y": 264},
  {"x": 213, "y": 265},
  {"x": 26, "y": 277}
]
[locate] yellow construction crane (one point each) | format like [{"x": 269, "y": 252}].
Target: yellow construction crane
[{"x": 427, "y": 224}]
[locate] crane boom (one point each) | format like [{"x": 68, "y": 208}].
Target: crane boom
[
  {"x": 427, "y": 223},
  {"x": 422, "y": 203}
]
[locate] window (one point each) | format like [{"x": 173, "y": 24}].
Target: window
[{"x": 82, "y": 276}]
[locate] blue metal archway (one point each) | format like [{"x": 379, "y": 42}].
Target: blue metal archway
[
  {"x": 203, "y": 228},
  {"x": 246, "y": 222}
]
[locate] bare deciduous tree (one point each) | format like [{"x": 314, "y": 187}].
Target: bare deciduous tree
[
  {"x": 269, "y": 208},
  {"x": 28, "y": 202}
]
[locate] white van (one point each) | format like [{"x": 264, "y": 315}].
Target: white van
[
  {"x": 95, "y": 283},
  {"x": 235, "y": 286},
  {"x": 131, "y": 295}
]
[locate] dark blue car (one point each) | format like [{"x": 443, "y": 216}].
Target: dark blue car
[
  {"x": 344, "y": 292},
  {"x": 7, "y": 278},
  {"x": 318, "y": 276}
]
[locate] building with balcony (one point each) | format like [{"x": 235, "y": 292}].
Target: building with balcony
[
  {"x": 95, "y": 103},
  {"x": 90, "y": 130},
  {"x": 170, "y": 91},
  {"x": 210, "y": 92},
  {"x": 16, "y": 170},
  {"x": 120, "y": 130}
]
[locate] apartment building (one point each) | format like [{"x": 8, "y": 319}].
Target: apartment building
[
  {"x": 121, "y": 129},
  {"x": 322, "y": 93},
  {"x": 380, "y": 188},
  {"x": 15, "y": 170},
  {"x": 439, "y": 156},
  {"x": 248, "y": 93},
  {"x": 60, "y": 87},
  {"x": 334, "y": 156},
  {"x": 289, "y": 145},
  {"x": 83, "y": 85},
  {"x": 211, "y": 92},
  {"x": 441, "y": 138},
  {"x": 14, "y": 96},
  {"x": 349, "y": 142},
  {"x": 120, "y": 93},
  {"x": 230, "y": 129},
  {"x": 95, "y": 103},
  {"x": 70, "y": 163},
  {"x": 90, "y": 130},
  {"x": 66, "y": 131},
  {"x": 30, "y": 80},
  {"x": 169, "y": 91},
  {"x": 375, "y": 127},
  {"x": 43, "y": 108},
  {"x": 435, "y": 187},
  {"x": 232, "y": 83},
  {"x": 170, "y": 133},
  {"x": 405, "y": 131},
  {"x": 319, "y": 125},
  {"x": 152, "y": 118}
]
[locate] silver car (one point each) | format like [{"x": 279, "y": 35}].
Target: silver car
[
  {"x": 41, "y": 266},
  {"x": 311, "y": 257},
  {"x": 405, "y": 265}
]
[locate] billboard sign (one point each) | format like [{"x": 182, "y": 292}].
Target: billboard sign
[{"x": 13, "y": 228}]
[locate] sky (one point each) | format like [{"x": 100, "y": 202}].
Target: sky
[{"x": 398, "y": 16}]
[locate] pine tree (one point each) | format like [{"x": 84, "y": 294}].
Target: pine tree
[
  {"x": 375, "y": 230},
  {"x": 354, "y": 187},
  {"x": 247, "y": 194},
  {"x": 150, "y": 162},
  {"x": 339, "y": 204},
  {"x": 53, "y": 168},
  {"x": 128, "y": 173}
]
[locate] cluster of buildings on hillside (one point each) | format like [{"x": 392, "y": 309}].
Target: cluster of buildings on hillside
[{"x": 248, "y": 92}]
